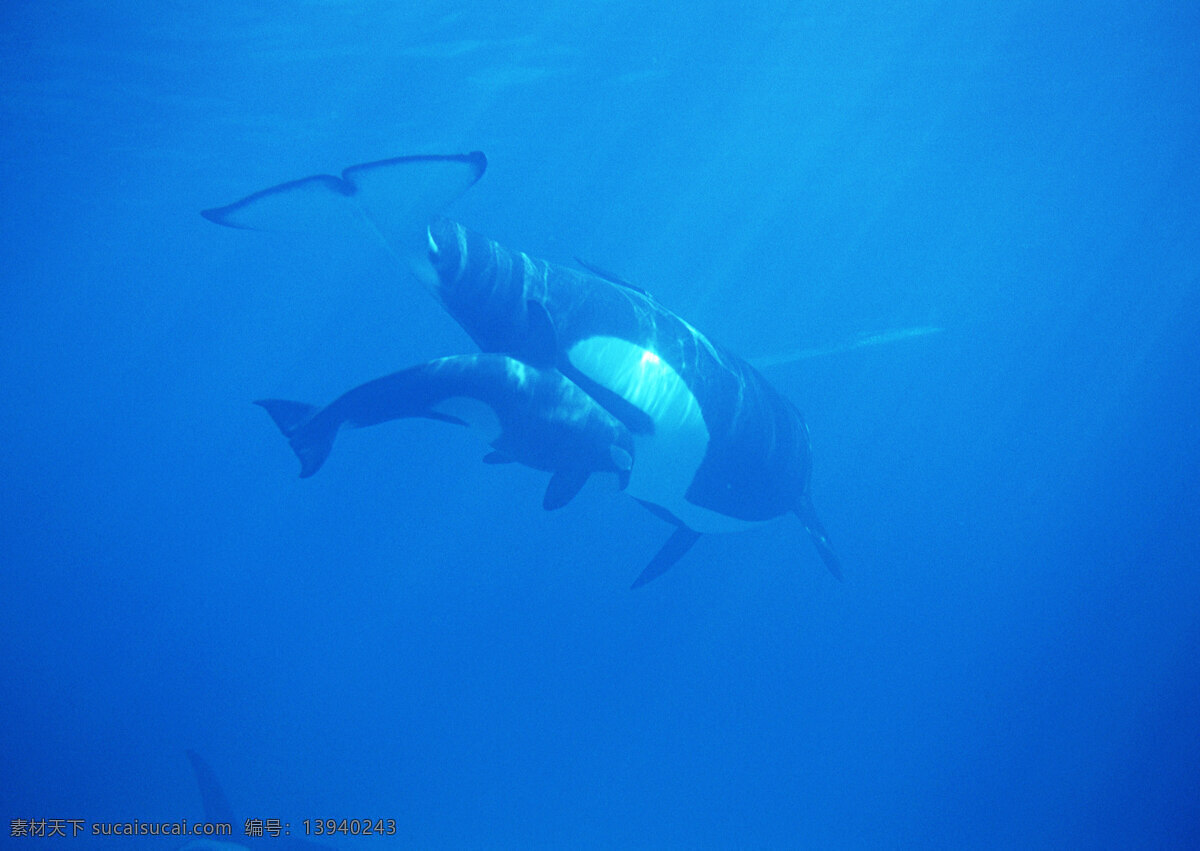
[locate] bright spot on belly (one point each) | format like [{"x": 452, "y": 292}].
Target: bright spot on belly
[{"x": 648, "y": 357}]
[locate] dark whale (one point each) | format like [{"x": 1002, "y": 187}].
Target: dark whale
[{"x": 529, "y": 415}]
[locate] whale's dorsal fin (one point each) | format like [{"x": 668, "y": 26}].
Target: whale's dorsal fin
[{"x": 611, "y": 277}]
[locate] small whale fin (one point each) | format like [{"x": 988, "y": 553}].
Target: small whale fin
[
  {"x": 498, "y": 458},
  {"x": 563, "y": 487},
  {"x": 311, "y": 437},
  {"x": 611, "y": 277},
  {"x": 672, "y": 551},
  {"x": 820, "y": 538},
  {"x": 216, "y": 805}
]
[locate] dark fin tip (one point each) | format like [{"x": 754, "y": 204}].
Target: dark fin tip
[{"x": 479, "y": 161}]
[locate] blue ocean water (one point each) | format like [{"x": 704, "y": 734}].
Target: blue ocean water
[{"x": 1013, "y": 657}]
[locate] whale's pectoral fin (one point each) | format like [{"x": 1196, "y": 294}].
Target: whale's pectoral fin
[
  {"x": 311, "y": 437},
  {"x": 820, "y": 538},
  {"x": 672, "y": 551},
  {"x": 562, "y": 488}
]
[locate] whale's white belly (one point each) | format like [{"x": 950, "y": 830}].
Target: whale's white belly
[{"x": 666, "y": 461}]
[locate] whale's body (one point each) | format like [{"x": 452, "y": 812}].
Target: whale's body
[
  {"x": 715, "y": 448},
  {"x": 528, "y": 415}
]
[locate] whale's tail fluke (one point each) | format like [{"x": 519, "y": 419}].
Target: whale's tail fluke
[
  {"x": 311, "y": 436},
  {"x": 397, "y": 198},
  {"x": 820, "y": 538}
]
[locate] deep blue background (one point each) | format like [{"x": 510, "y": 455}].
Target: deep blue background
[{"x": 1013, "y": 658}]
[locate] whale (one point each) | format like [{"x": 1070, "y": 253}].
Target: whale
[
  {"x": 714, "y": 447},
  {"x": 531, "y": 416}
]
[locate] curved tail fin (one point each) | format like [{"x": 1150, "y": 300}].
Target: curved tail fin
[
  {"x": 396, "y": 197},
  {"x": 311, "y": 437},
  {"x": 820, "y": 538}
]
